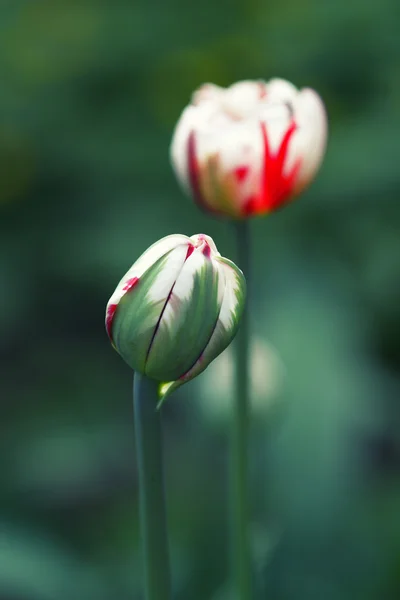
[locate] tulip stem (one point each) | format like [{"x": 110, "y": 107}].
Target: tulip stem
[
  {"x": 151, "y": 489},
  {"x": 240, "y": 511}
]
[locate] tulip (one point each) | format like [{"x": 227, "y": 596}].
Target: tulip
[
  {"x": 176, "y": 309},
  {"x": 248, "y": 149}
]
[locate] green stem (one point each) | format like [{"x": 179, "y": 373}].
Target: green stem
[
  {"x": 151, "y": 489},
  {"x": 241, "y": 552}
]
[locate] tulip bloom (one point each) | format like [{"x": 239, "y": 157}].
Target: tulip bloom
[
  {"x": 248, "y": 149},
  {"x": 176, "y": 309}
]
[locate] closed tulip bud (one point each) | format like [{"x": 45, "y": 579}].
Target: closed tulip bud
[
  {"x": 176, "y": 309},
  {"x": 247, "y": 149}
]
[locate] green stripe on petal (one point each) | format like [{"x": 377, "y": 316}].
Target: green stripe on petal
[
  {"x": 139, "y": 310},
  {"x": 188, "y": 321},
  {"x": 226, "y": 328},
  {"x": 235, "y": 294}
]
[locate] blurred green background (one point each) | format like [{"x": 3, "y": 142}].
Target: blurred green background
[{"x": 89, "y": 95}]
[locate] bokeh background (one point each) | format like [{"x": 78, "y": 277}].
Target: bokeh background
[{"x": 89, "y": 95}]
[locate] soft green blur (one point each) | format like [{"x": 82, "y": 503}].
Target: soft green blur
[{"x": 89, "y": 95}]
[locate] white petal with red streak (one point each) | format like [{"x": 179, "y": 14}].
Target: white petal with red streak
[
  {"x": 193, "y": 118},
  {"x": 147, "y": 259},
  {"x": 277, "y": 119},
  {"x": 198, "y": 238},
  {"x": 239, "y": 146}
]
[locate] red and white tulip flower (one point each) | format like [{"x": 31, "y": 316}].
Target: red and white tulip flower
[
  {"x": 247, "y": 149},
  {"x": 176, "y": 309}
]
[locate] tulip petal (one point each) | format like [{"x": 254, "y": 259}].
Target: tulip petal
[
  {"x": 142, "y": 308},
  {"x": 192, "y": 119},
  {"x": 225, "y": 328},
  {"x": 194, "y": 172},
  {"x": 280, "y": 90},
  {"x": 200, "y": 238},
  {"x": 146, "y": 260},
  {"x": 207, "y": 92},
  {"x": 189, "y": 317},
  {"x": 229, "y": 162},
  {"x": 241, "y": 99},
  {"x": 310, "y": 140}
]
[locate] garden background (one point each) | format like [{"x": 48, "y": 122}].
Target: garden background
[{"x": 89, "y": 95}]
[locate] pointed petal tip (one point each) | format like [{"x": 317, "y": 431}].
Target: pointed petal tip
[
  {"x": 110, "y": 312},
  {"x": 165, "y": 389}
]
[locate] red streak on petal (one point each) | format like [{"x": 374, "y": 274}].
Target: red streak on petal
[
  {"x": 276, "y": 186},
  {"x": 189, "y": 251},
  {"x": 241, "y": 173},
  {"x": 193, "y": 166},
  {"x": 130, "y": 284},
  {"x": 109, "y": 318},
  {"x": 207, "y": 251},
  {"x": 250, "y": 205}
]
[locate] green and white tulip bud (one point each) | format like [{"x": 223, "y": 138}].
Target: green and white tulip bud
[{"x": 176, "y": 309}]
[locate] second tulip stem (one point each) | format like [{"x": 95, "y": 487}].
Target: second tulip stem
[
  {"x": 151, "y": 489},
  {"x": 240, "y": 509}
]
